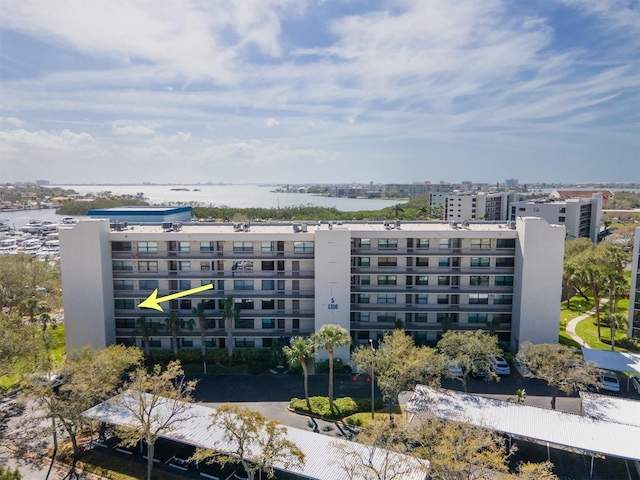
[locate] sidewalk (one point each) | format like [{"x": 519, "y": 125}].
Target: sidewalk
[{"x": 571, "y": 326}]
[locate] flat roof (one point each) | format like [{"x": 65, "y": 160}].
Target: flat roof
[
  {"x": 323, "y": 459},
  {"x": 616, "y": 361},
  {"x": 567, "y": 430},
  {"x": 135, "y": 210}
]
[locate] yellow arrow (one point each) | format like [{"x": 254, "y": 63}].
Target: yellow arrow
[{"x": 152, "y": 301}]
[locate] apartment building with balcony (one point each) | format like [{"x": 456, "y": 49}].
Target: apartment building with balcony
[
  {"x": 581, "y": 216},
  {"x": 474, "y": 206},
  {"x": 634, "y": 294},
  {"x": 290, "y": 280}
]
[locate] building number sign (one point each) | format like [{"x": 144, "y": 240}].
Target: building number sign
[{"x": 333, "y": 305}]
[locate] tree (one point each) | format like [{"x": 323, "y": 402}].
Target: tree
[
  {"x": 460, "y": 451},
  {"x": 594, "y": 278},
  {"x": 87, "y": 377},
  {"x": 298, "y": 352},
  {"x": 173, "y": 324},
  {"x": 327, "y": 338},
  {"x": 231, "y": 315},
  {"x": 145, "y": 328},
  {"x": 22, "y": 278},
  {"x": 535, "y": 471},
  {"x": 396, "y": 210},
  {"x": 616, "y": 322},
  {"x": 37, "y": 310},
  {"x": 252, "y": 440},
  {"x": 157, "y": 401},
  {"x": 418, "y": 365},
  {"x": 6, "y": 474},
  {"x": 380, "y": 459},
  {"x": 560, "y": 366},
  {"x": 198, "y": 311},
  {"x": 471, "y": 351},
  {"x": 18, "y": 342}
]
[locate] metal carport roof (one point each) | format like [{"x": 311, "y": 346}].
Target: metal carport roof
[
  {"x": 616, "y": 361},
  {"x": 322, "y": 459},
  {"x": 568, "y": 430}
]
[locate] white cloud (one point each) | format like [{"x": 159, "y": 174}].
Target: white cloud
[
  {"x": 11, "y": 121},
  {"x": 271, "y": 122},
  {"x": 65, "y": 141},
  {"x": 133, "y": 130}
]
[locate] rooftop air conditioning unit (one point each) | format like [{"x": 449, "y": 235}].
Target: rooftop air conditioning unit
[
  {"x": 167, "y": 226},
  {"x": 304, "y": 227},
  {"x": 296, "y": 228}
]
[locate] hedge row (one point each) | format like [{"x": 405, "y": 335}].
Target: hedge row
[
  {"x": 257, "y": 357},
  {"x": 342, "y": 407}
]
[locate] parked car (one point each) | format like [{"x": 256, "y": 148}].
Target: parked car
[
  {"x": 635, "y": 383},
  {"x": 454, "y": 369},
  {"x": 609, "y": 381},
  {"x": 480, "y": 369},
  {"x": 499, "y": 366}
]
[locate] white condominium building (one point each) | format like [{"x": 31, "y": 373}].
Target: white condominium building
[
  {"x": 634, "y": 296},
  {"x": 289, "y": 280}
]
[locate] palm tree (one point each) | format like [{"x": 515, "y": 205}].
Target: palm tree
[
  {"x": 37, "y": 311},
  {"x": 172, "y": 324},
  {"x": 616, "y": 322},
  {"x": 595, "y": 280},
  {"x": 198, "y": 311},
  {"x": 424, "y": 211},
  {"x": 327, "y": 338},
  {"x": 230, "y": 315},
  {"x": 145, "y": 328},
  {"x": 299, "y": 351},
  {"x": 397, "y": 210}
]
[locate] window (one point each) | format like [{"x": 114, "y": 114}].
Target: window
[
  {"x": 503, "y": 299},
  {"x": 387, "y": 280},
  {"x": 386, "y": 318},
  {"x": 476, "y": 298},
  {"x": 269, "y": 265},
  {"x": 303, "y": 247},
  {"x": 502, "y": 317},
  {"x": 365, "y": 280},
  {"x": 243, "y": 323},
  {"x": 184, "y": 246},
  {"x": 444, "y": 280},
  {"x": 185, "y": 304},
  {"x": 205, "y": 266},
  {"x": 447, "y": 317},
  {"x": 522, "y": 209},
  {"x": 184, "y": 266},
  {"x": 506, "y": 243},
  {"x": 478, "y": 318},
  {"x": 422, "y": 280},
  {"x": 123, "y": 304},
  {"x": 123, "y": 284},
  {"x": 243, "y": 266},
  {"x": 207, "y": 246},
  {"x": 363, "y": 298},
  {"x": 443, "y": 299},
  {"x": 388, "y": 243},
  {"x": 479, "y": 262},
  {"x": 504, "y": 262},
  {"x": 243, "y": 284},
  {"x": 501, "y": 280},
  {"x": 422, "y": 261},
  {"x": 122, "y": 265},
  {"x": 444, "y": 261},
  {"x": 185, "y": 284},
  {"x": 387, "y": 261},
  {"x": 561, "y": 219},
  {"x": 208, "y": 282},
  {"x": 295, "y": 323},
  {"x": 148, "y": 284},
  {"x": 245, "y": 304},
  {"x": 422, "y": 243},
  {"x": 480, "y": 243},
  {"x": 360, "y": 316},
  {"x": 386, "y": 298},
  {"x": 243, "y": 246},
  {"x": 125, "y": 323},
  {"x": 363, "y": 243},
  {"x": 267, "y": 247},
  {"x": 268, "y": 285},
  {"x": 363, "y": 261},
  {"x": 245, "y": 342},
  {"x": 476, "y": 280},
  {"x": 120, "y": 246},
  {"x": 421, "y": 299},
  {"x": 268, "y": 304},
  {"x": 563, "y": 210},
  {"x": 268, "y": 323},
  {"x": 444, "y": 243},
  {"x": 147, "y": 266},
  {"x": 147, "y": 246}
]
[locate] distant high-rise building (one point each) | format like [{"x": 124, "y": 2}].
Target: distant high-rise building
[
  {"x": 511, "y": 182},
  {"x": 42, "y": 182}
]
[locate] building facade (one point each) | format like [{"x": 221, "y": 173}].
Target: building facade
[
  {"x": 474, "y": 206},
  {"x": 634, "y": 293},
  {"x": 580, "y": 216},
  {"x": 289, "y": 280}
]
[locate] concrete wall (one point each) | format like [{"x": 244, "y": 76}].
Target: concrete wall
[
  {"x": 634, "y": 296},
  {"x": 333, "y": 282},
  {"x": 85, "y": 262},
  {"x": 537, "y": 281}
]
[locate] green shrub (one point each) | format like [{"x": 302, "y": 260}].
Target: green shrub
[
  {"x": 323, "y": 367},
  {"x": 628, "y": 343},
  {"x": 354, "y": 421},
  {"x": 159, "y": 355},
  {"x": 343, "y": 407},
  {"x": 190, "y": 355},
  {"x": 217, "y": 355}
]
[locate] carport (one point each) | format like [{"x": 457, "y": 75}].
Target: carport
[
  {"x": 324, "y": 459},
  {"x": 624, "y": 362},
  {"x": 583, "y": 434}
]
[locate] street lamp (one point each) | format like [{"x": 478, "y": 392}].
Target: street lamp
[{"x": 373, "y": 356}]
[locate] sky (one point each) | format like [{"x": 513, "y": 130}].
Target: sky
[{"x": 319, "y": 91}]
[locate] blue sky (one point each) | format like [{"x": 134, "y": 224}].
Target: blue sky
[{"x": 319, "y": 91}]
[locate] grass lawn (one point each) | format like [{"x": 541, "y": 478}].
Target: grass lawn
[
  {"x": 587, "y": 330},
  {"x": 577, "y": 306},
  {"x": 565, "y": 339},
  {"x": 363, "y": 419}
]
